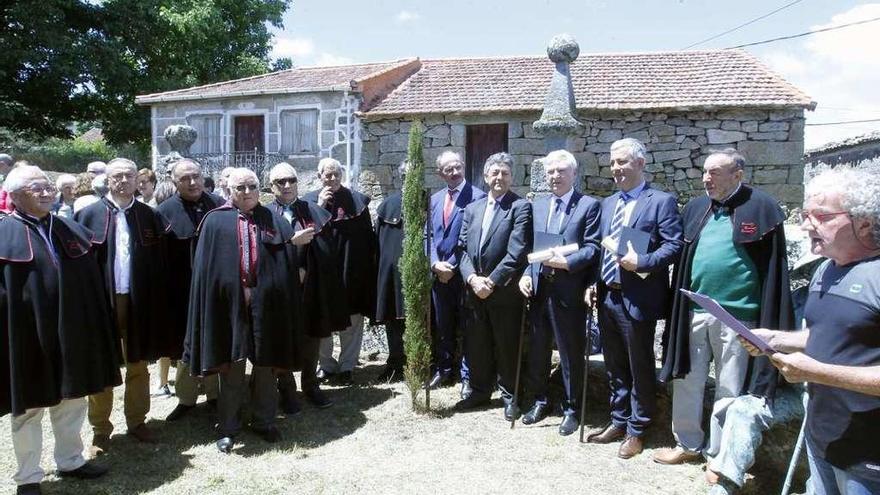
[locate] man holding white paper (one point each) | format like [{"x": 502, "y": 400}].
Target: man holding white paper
[
  {"x": 630, "y": 304},
  {"x": 564, "y": 218},
  {"x": 734, "y": 252}
]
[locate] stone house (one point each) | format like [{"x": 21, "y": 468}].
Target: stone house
[
  {"x": 680, "y": 104},
  {"x": 858, "y": 151}
]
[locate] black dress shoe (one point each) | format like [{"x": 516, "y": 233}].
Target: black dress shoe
[
  {"x": 180, "y": 411},
  {"x": 391, "y": 374},
  {"x": 343, "y": 379},
  {"x": 225, "y": 444},
  {"x": 289, "y": 404},
  {"x": 318, "y": 399},
  {"x": 440, "y": 379},
  {"x": 569, "y": 425},
  {"x": 270, "y": 434},
  {"x": 87, "y": 471},
  {"x": 466, "y": 389},
  {"x": 471, "y": 402},
  {"x": 511, "y": 411},
  {"x": 323, "y": 375},
  {"x": 29, "y": 489},
  {"x": 537, "y": 413}
]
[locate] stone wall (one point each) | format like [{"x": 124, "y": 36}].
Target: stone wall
[{"x": 677, "y": 142}]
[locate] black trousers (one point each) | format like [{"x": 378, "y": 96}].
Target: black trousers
[
  {"x": 309, "y": 357},
  {"x": 394, "y": 333},
  {"x": 493, "y": 333}
]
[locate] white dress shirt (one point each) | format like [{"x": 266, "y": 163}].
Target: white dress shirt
[{"x": 122, "y": 258}]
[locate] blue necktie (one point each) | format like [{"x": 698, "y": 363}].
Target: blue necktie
[
  {"x": 610, "y": 269},
  {"x": 555, "y": 221}
]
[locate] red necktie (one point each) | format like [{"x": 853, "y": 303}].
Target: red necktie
[{"x": 447, "y": 207}]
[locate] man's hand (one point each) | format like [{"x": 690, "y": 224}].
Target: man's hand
[
  {"x": 590, "y": 296},
  {"x": 796, "y": 367},
  {"x": 482, "y": 286},
  {"x": 765, "y": 334},
  {"x": 324, "y": 197},
  {"x": 525, "y": 286},
  {"x": 302, "y": 237},
  {"x": 558, "y": 262},
  {"x": 630, "y": 260},
  {"x": 444, "y": 271}
]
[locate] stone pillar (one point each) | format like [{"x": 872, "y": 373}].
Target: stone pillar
[{"x": 557, "y": 123}]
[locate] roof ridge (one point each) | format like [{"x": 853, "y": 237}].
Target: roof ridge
[
  {"x": 584, "y": 54},
  {"x": 400, "y": 63}
]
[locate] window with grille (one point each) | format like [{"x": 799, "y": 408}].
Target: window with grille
[{"x": 299, "y": 131}]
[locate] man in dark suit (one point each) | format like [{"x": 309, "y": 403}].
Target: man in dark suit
[
  {"x": 447, "y": 210},
  {"x": 633, "y": 293},
  {"x": 497, "y": 234},
  {"x": 558, "y": 310}
]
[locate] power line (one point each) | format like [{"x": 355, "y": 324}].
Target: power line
[
  {"x": 832, "y": 28},
  {"x": 743, "y": 25},
  {"x": 845, "y": 122}
]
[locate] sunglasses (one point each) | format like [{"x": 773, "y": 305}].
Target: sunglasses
[
  {"x": 285, "y": 182},
  {"x": 243, "y": 188}
]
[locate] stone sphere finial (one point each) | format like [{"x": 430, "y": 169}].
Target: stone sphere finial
[
  {"x": 180, "y": 138},
  {"x": 563, "y": 48}
]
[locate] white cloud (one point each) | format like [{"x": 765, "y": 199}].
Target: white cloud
[
  {"x": 406, "y": 16},
  {"x": 295, "y": 48},
  {"x": 840, "y": 70},
  {"x": 330, "y": 59}
]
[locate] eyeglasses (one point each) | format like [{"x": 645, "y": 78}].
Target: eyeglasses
[
  {"x": 285, "y": 182},
  {"x": 37, "y": 189},
  {"x": 244, "y": 188},
  {"x": 812, "y": 218}
]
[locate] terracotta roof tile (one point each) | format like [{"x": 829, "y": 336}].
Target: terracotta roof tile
[
  {"x": 298, "y": 79},
  {"x": 659, "y": 80}
]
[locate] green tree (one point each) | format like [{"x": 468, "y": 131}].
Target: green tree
[
  {"x": 415, "y": 270},
  {"x": 78, "y": 60}
]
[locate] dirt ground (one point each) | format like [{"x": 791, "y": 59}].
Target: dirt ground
[{"x": 371, "y": 442}]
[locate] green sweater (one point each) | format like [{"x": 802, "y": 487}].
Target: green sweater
[{"x": 723, "y": 270}]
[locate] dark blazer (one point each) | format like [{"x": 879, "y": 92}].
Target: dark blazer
[
  {"x": 444, "y": 241},
  {"x": 502, "y": 257},
  {"x": 580, "y": 225},
  {"x": 389, "y": 232},
  {"x": 655, "y": 212}
]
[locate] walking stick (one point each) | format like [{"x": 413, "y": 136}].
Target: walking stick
[
  {"x": 798, "y": 446},
  {"x": 522, "y": 333},
  {"x": 587, "y": 351}
]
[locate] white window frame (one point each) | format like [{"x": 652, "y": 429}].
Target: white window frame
[
  {"x": 318, "y": 128},
  {"x": 212, "y": 113},
  {"x": 230, "y": 130}
]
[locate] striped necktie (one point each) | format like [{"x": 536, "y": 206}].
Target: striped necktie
[{"x": 610, "y": 269}]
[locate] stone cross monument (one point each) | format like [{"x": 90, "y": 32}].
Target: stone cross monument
[{"x": 557, "y": 122}]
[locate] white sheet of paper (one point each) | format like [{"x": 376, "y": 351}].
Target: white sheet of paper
[
  {"x": 715, "y": 309},
  {"x": 546, "y": 254}
]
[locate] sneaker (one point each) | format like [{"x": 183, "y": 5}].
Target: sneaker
[{"x": 163, "y": 391}]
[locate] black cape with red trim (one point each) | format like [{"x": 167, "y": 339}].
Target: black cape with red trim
[
  {"x": 758, "y": 227},
  {"x": 389, "y": 232},
  {"x": 221, "y": 328},
  {"x": 150, "y": 336},
  {"x": 356, "y": 247},
  {"x": 179, "y": 240},
  {"x": 324, "y": 312},
  {"x": 58, "y": 340}
]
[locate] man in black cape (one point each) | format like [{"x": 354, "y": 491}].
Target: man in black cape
[
  {"x": 389, "y": 289},
  {"x": 244, "y": 305},
  {"x": 131, "y": 251},
  {"x": 322, "y": 313},
  {"x": 59, "y": 345},
  {"x": 356, "y": 247},
  {"x": 734, "y": 251},
  {"x": 183, "y": 212}
]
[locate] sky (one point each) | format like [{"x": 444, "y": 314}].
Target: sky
[{"x": 840, "y": 69}]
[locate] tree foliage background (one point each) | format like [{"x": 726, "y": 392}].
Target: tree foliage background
[{"x": 65, "y": 61}]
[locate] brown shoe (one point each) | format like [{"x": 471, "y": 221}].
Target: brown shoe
[
  {"x": 675, "y": 456},
  {"x": 630, "y": 447},
  {"x": 142, "y": 433},
  {"x": 609, "y": 434},
  {"x": 100, "y": 445}
]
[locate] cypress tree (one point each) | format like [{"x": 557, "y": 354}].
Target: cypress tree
[{"x": 415, "y": 270}]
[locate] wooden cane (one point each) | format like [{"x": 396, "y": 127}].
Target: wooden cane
[
  {"x": 587, "y": 350},
  {"x": 522, "y": 333}
]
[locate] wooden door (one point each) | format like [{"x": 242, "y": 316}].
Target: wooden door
[
  {"x": 249, "y": 133},
  {"x": 483, "y": 141}
]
